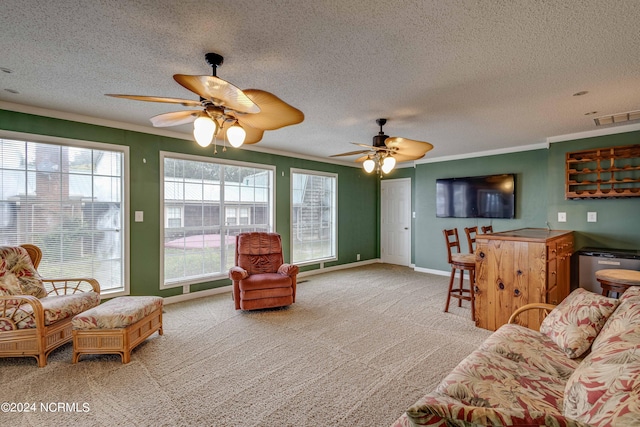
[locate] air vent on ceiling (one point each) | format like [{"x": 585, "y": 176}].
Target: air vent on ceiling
[{"x": 617, "y": 118}]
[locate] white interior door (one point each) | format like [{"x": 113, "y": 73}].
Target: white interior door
[{"x": 395, "y": 221}]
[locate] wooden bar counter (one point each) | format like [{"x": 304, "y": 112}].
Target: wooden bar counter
[{"x": 518, "y": 267}]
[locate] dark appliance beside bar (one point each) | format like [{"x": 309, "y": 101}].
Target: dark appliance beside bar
[{"x": 591, "y": 260}]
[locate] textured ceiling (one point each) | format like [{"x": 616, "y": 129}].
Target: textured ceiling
[{"x": 466, "y": 76}]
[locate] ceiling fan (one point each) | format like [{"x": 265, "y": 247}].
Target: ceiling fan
[
  {"x": 386, "y": 151},
  {"x": 224, "y": 111}
]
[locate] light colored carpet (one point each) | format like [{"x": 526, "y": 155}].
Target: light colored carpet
[{"x": 356, "y": 349}]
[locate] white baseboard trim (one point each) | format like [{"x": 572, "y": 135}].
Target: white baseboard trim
[
  {"x": 338, "y": 267},
  {"x": 432, "y": 271},
  {"x": 215, "y": 291},
  {"x": 198, "y": 294}
]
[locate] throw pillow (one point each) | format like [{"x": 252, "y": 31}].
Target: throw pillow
[
  {"x": 17, "y": 262},
  {"x": 631, "y": 292},
  {"x": 10, "y": 285},
  {"x": 576, "y": 321},
  {"x": 605, "y": 388}
]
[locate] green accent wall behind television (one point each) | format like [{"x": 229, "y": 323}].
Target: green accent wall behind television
[{"x": 540, "y": 177}]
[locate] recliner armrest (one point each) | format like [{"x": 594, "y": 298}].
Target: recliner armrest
[
  {"x": 288, "y": 270},
  {"x": 238, "y": 273}
]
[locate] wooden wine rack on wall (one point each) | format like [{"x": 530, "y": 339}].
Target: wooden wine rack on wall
[{"x": 603, "y": 173}]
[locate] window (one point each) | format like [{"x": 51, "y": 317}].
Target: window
[
  {"x": 313, "y": 216},
  {"x": 174, "y": 217},
  {"x": 206, "y": 204},
  {"x": 69, "y": 201}
]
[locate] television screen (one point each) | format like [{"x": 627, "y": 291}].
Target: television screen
[{"x": 490, "y": 196}]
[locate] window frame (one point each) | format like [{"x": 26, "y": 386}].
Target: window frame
[
  {"x": 185, "y": 282},
  {"x": 334, "y": 216},
  {"x": 126, "y": 193}
]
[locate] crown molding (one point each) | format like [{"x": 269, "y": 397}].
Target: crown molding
[
  {"x": 609, "y": 130},
  {"x": 38, "y": 111},
  {"x": 508, "y": 150}
]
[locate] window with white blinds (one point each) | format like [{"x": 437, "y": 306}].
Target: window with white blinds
[
  {"x": 69, "y": 201},
  {"x": 206, "y": 204},
  {"x": 313, "y": 216}
]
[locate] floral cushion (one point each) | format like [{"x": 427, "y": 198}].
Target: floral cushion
[
  {"x": 631, "y": 292},
  {"x": 55, "y": 308},
  {"x": 524, "y": 345},
  {"x": 487, "y": 379},
  {"x": 436, "y": 409},
  {"x": 577, "y": 320},
  {"x": 117, "y": 313},
  {"x": 605, "y": 389},
  {"x": 16, "y": 262},
  {"x": 499, "y": 386}
]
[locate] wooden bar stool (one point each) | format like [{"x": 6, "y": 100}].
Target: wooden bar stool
[
  {"x": 617, "y": 280},
  {"x": 460, "y": 262},
  {"x": 471, "y": 238}
]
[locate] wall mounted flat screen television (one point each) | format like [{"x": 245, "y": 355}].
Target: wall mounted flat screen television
[{"x": 491, "y": 196}]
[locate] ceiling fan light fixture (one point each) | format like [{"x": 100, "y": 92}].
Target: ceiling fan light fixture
[
  {"x": 388, "y": 164},
  {"x": 369, "y": 165},
  {"x": 236, "y": 135},
  {"x": 203, "y": 130}
]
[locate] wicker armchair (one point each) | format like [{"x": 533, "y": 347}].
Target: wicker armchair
[{"x": 36, "y": 313}]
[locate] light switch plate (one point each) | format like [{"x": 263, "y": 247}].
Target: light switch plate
[
  {"x": 592, "y": 216},
  {"x": 139, "y": 216},
  {"x": 562, "y": 217}
]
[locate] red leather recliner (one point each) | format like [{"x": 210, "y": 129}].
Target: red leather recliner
[{"x": 260, "y": 277}]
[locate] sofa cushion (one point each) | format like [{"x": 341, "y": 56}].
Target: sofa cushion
[
  {"x": 489, "y": 380},
  {"x": 631, "y": 292},
  {"x": 605, "y": 389},
  {"x": 577, "y": 320},
  {"x": 524, "y": 345},
  {"x": 16, "y": 262},
  {"x": 439, "y": 410}
]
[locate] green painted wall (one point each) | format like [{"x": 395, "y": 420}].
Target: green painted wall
[
  {"x": 358, "y": 222},
  {"x": 618, "y": 224},
  {"x": 530, "y": 168},
  {"x": 540, "y": 177},
  {"x": 539, "y": 193}
]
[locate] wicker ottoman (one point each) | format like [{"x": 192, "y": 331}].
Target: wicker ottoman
[{"x": 117, "y": 326}]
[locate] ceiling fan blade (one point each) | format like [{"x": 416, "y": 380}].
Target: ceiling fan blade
[
  {"x": 176, "y": 118},
  {"x": 361, "y": 159},
  {"x": 407, "y": 149},
  {"x": 253, "y": 135},
  {"x": 370, "y": 147},
  {"x": 185, "y": 102},
  {"x": 350, "y": 153},
  {"x": 274, "y": 112},
  {"x": 220, "y": 92}
]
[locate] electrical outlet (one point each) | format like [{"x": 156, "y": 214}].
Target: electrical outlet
[
  {"x": 562, "y": 217},
  {"x": 357, "y": 257},
  {"x": 139, "y": 217},
  {"x": 592, "y": 216}
]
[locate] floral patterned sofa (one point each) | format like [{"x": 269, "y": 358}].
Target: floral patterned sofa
[
  {"x": 36, "y": 313},
  {"x": 582, "y": 369}
]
